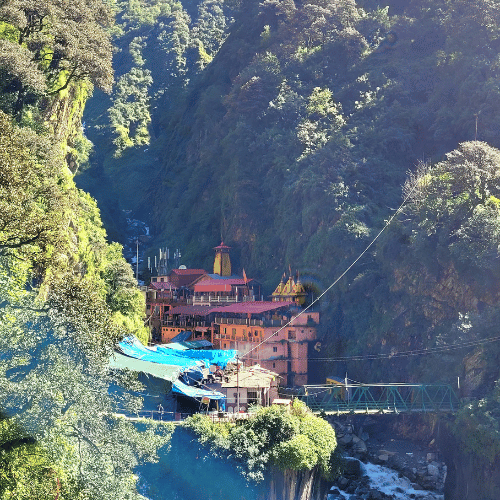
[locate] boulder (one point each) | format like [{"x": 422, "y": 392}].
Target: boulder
[
  {"x": 345, "y": 439},
  {"x": 358, "y": 445},
  {"x": 375, "y": 495},
  {"x": 352, "y": 468},
  {"x": 433, "y": 470}
]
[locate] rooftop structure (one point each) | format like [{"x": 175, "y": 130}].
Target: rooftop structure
[
  {"x": 290, "y": 290},
  {"x": 222, "y": 262}
]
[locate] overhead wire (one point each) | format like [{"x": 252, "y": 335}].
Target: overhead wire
[
  {"x": 416, "y": 352},
  {"x": 303, "y": 311}
]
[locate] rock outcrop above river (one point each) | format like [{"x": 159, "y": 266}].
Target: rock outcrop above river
[{"x": 368, "y": 443}]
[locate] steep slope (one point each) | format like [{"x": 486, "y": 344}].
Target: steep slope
[{"x": 66, "y": 294}]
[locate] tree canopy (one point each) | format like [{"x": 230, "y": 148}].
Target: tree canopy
[
  {"x": 49, "y": 45},
  {"x": 290, "y": 440}
]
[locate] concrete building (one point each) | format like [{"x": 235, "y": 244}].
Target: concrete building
[
  {"x": 248, "y": 386},
  {"x": 225, "y": 310},
  {"x": 272, "y": 334}
]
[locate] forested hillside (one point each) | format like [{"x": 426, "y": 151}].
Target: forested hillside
[
  {"x": 290, "y": 128},
  {"x": 66, "y": 294},
  {"x": 294, "y": 130}
]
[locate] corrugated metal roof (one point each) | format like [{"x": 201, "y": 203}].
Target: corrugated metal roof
[
  {"x": 257, "y": 307},
  {"x": 184, "y": 272},
  {"x": 181, "y": 337},
  {"x": 191, "y": 310},
  {"x": 162, "y": 285},
  {"x": 163, "y": 371},
  {"x": 218, "y": 285},
  {"x": 251, "y": 377}
]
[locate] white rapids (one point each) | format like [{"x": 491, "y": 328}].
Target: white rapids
[{"x": 390, "y": 483}]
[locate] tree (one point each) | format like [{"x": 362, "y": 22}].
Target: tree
[
  {"x": 57, "y": 43},
  {"x": 291, "y": 440},
  {"x": 59, "y": 395},
  {"x": 455, "y": 205},
  {"x": 31, "y": 200}
]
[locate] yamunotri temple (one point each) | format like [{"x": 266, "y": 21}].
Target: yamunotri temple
[{"x": 227, "y": 311}]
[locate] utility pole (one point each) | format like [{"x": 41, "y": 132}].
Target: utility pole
[
  {"x": 137, "y": 260},
  {"x": 237, "y": 383}
]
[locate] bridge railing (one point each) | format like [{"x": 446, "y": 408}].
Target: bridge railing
[{"x": 345, "y": 398}]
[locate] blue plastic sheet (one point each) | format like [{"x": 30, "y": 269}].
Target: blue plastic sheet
[
  {"x": 195, "y": 392},
  {"x": 209, "y": 357},
  {"x": 134, "y": 349}
]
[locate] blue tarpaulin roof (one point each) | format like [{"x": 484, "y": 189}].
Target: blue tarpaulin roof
[
  {"x": 134, "y": 349},
  {"x": 195, "y": 392},
  {"x": 208, "y": 357}
]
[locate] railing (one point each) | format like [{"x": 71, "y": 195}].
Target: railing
[
  {"x": 165, "y": 416},
  {"x": 395, "y": 398},
  {"x": 250, "y": 322},
  {"x": 210, "y": 299},
  {"x": 174, "y": 417},
  {"x": 230, "y": 336},
  {"x": 188, "y": 324}
]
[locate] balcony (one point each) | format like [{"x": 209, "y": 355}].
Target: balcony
[
  {"x": 250, "y": 322},
  {"x": 204, "y": 300}
]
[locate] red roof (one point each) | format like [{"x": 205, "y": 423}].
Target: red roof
[
  {"x": 218, "y": 285},
  {"x": 256, "y": 307},
  {"x": 162, "y": 285},
  {"x": 192, "y": 310},
  {"x": 183, "y": 272},
  {"x": 221, "y": 246}
]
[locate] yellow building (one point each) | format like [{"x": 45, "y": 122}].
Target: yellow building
[
  {"x": 290, "y": 290},
  {"x": 222, "y": 262}
]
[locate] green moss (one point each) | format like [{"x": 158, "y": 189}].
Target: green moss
[{"x": 9, "y": 32}]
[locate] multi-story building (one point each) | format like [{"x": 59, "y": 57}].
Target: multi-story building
[
  {"x": 226, "y": 310},
  {"x": 272, "y": 334}
]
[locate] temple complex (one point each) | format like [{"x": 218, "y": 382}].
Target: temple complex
[{"x": 229, "y": 311}]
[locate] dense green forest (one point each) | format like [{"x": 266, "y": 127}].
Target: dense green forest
[
  {"x": 66, "y": 294},
  {"x": 294, "y": 130}
]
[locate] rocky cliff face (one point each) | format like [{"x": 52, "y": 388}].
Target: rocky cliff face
[
  {"x": 296, "y": 485},
  {"x": 471, "y": 476}
]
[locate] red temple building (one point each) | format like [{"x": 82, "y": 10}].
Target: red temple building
[{"x": 226, "y": 310}]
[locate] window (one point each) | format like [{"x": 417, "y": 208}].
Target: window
[
  {"x": 233, "y": 331},
  {"x": 274, "y": 365},
  {"x": 275, "y": 349},
  {"x": 252, "y": 397},
  {"x": 291, "y": 335}
]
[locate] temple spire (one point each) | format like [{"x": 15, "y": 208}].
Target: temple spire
[{"x": 222, "y": 262}]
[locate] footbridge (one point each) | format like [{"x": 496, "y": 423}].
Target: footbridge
[{"x": 377, "y": 398}]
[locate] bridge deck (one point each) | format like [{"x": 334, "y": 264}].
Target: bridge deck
[{"x": 378, "y": 398}]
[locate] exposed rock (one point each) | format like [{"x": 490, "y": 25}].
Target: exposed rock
[
  {"x": 358, "y": 446},
  {"x": 352, "y": 468},
  {"x": 433, "y": 469},
  {"x": 345, "y": 439}
]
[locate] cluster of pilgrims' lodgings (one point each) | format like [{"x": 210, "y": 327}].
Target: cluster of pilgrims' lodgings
[{"x": 228, "y": 311}]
